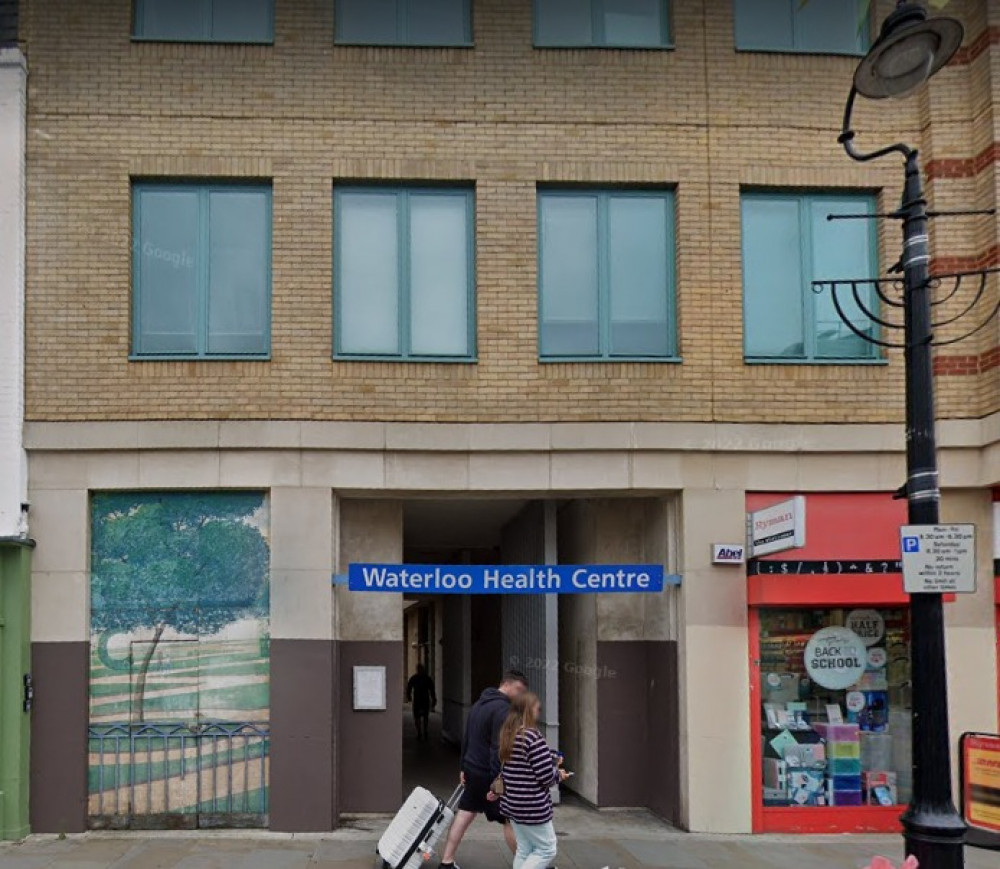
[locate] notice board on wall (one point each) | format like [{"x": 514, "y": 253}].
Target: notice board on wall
[{"x": 981, "y": 788}]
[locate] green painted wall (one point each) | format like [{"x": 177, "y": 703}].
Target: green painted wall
[{"x": 15, "y": 661}]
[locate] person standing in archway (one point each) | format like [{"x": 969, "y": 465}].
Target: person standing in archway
[
  {"x": 420, "y": 693},
  {"x": 480, "y": 763}
]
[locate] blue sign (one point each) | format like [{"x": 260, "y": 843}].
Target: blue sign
[
  {"x": 507, "y": 578},
  {"x": 911, "y": 544}
]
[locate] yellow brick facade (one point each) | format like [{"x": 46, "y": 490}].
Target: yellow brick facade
[{"x": 505, "y": 117}]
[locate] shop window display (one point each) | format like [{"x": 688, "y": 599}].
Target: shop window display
[{"x": 835, "y": 717}]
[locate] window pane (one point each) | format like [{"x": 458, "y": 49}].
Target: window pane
[
  {"x": 167, "y": 273},
  {"x": 637, "y": 262},
  {"x": 172, "y": 19},
  {"x": 369, "y": 273},
  {"x": 239, "y": 243},
  {"x": 366, "y": 22},
  {"x": 842, "y": 249},
  {"x": 439, "y": 276},
  {"x": 863, "y": 756},
  {"x": 765, "y": 24},
  {"x": 563, "y": 22},
  {"x": 828, "y": 26},
  {"x": 437, "y": 22},
  {"x": 241, "y": 20},
  {"x": 772, "y": 278},
  {"x": 633, "y": 22},
  {"x": 569, "y": 308}
]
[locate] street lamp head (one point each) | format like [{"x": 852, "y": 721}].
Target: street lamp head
[{"x": 909, "y": 50}]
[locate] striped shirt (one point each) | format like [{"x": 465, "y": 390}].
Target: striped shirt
[{"x": 527, "y": 777}]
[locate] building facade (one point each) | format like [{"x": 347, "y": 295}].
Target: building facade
[
  {"x": 15, "y": 545},
  {"x": 514, "y": 282}
]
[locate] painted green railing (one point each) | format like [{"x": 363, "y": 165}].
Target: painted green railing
[{"x": 176, "y": 775}]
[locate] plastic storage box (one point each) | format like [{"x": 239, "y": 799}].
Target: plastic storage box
[
  {"x": 838, "y": 766},
  {"x": 876, "y": 751},
  {"x": 838, "y": 732}
]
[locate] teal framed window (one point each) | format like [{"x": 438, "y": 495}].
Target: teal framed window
[
  {"x": 788, "y": 242},
  {"x": 404, "y": 273},
  {"x": 606, "y": 274},
  {"x": 240, "y": 21},
  {"x": 602, "y": 23},
  {"x": 403, "y": 22},
  {"x": 816, "y": 27},
  {"x": 201, "y": 270}
]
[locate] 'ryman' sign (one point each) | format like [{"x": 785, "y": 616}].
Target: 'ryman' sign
[
  {"x": 778, "y": 527},
  {"x": 506, "y": 578}
]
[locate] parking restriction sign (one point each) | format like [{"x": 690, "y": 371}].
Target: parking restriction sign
[{"x": 938, "y": 559}]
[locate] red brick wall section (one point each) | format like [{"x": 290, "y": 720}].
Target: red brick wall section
[
  {"x": 970, "y": 51},
  {"x": 956, "y": 365},
  {"x": 963, "y": 167},
  {"x": 946, "y": 265},
  {"x": 965, "y": 364}
]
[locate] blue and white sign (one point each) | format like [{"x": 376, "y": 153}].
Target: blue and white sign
[
  {"x": 508, "y": 578},
  {"x": 938, "y": 559}
]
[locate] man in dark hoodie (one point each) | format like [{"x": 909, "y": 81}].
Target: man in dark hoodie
[{"x": 480, "y": 762}]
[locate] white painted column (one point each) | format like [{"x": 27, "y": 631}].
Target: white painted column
[
  {"x": 13, "y": 463},
  {"x": 714, "y": 668},
  {"x": 370, "y": 531},
  {"x": 301, "y": 563}
]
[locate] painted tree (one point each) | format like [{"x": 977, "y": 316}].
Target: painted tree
[{"x": 188, "y": 561}]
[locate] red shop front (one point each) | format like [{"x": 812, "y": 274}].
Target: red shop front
[{"x": 830, "y": 679}]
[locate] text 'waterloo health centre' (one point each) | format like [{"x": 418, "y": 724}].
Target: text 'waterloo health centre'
[{"x": 506, "y": 579}]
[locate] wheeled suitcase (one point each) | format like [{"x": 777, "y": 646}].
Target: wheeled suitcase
[{"x": 411, "y": 836}]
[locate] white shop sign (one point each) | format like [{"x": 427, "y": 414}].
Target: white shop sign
[
  {"x": 728, "y": 553},
  {"x": 778, "y": 527},
  {"x": 938, "y": 559}
]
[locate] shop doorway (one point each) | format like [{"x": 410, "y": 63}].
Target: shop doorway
[{"x": 465, "y": 642}]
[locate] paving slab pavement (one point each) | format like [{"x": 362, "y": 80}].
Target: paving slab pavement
[{"x": 588, "y": 839}]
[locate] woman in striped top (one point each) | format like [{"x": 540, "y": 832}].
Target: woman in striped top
[{"x": 529, "y": 771}]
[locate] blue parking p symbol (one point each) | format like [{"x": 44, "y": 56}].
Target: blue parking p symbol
[{"x": 911, "y": 544}]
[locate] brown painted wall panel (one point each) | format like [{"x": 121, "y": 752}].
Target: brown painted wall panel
[
  {"x": 303, "y": 783},
  {"x": 369, "y": 744},
  {"x": 621, "y": 724},
  {"x": 663, "y": 759},
  {"x": 637, "y": 735},
  {"x": 58, "y": 802}
]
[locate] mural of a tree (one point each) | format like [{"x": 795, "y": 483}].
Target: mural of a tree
[{"x": 194, "y": 563}]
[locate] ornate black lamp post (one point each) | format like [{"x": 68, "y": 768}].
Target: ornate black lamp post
[{"x": 910, "y": 49}]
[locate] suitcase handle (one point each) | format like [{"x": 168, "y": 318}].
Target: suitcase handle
[{"x": 456, "y": 795}]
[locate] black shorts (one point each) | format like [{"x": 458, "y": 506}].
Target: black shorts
[{"x": 477, "y": 785}]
